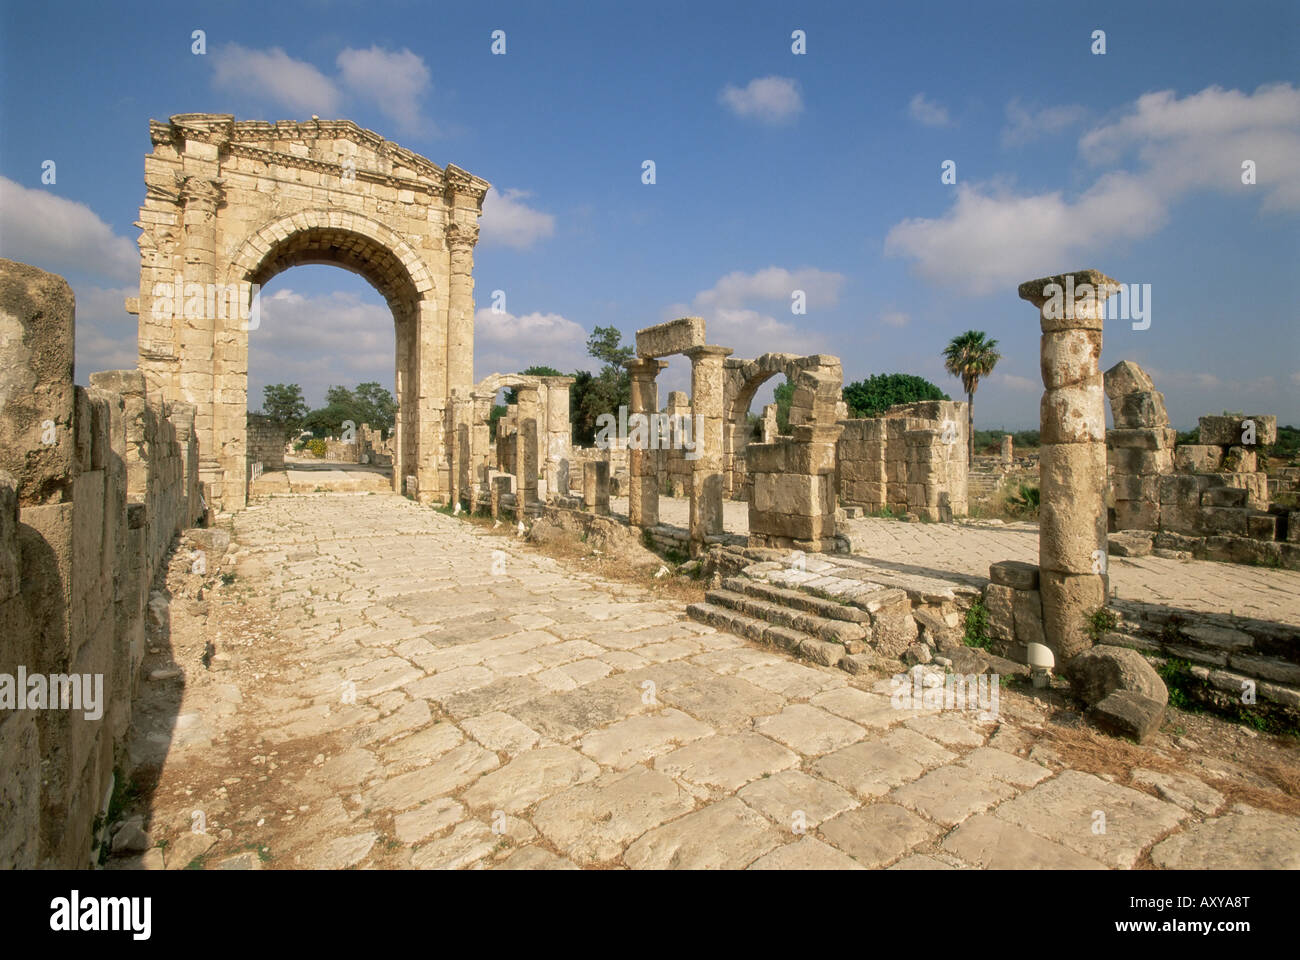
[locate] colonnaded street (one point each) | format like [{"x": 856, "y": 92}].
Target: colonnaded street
[{"x": 380, "y": 684}]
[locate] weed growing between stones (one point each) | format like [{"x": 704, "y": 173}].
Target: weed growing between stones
[
  {"x": 1102, "y": 622},
  {"x": 977, "y": 625},
  {"x": 1195, "y": 695}
]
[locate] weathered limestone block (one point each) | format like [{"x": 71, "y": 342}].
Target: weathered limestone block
[
  {"x": 1143, "y": 409},
  {"x": 1126, "y": 378},
  {"x": 1068, "y": 601},
  {"x": 1074, "y": 413},
  {"x": 675, "y": 336},
  {"x": 595, "y": 487},
  {"x": 1231, "y": 431},
  {"x": 37, "y": 400},
  {"x": 1015, "y": 574},
  {"x": 1069, "y": 357}
]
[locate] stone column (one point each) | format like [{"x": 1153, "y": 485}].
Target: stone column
[
  {"x": 770, "y": 427},
  {"x": 643, "y": 478},
  {"x": 707, "y": 386},
  {"x": 559, "y": 435},
  {"x": 1072, "y": 458},
  {"x": 1006, "y": 450},
  {"x": 427, "y": 431},
  {"x": 530, "y": 415},
  {"x": 480, "y": 443},
  {"x": 462, "y": 413}
]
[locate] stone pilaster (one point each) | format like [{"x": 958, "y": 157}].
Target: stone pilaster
[
  {"x": 707, "y": 397},
  {"x": 1072, "y": 460},
  {"x": 200, "y": 197},
  {"x": 643, "y": 475},
  {"x": 460, "y": 305}
]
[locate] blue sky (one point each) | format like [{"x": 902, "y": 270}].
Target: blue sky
[{"x": 774, "y": 172}]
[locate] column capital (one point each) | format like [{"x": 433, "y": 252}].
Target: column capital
[
  {"x": 645, "y": 368},
  {"x": 462, "y": 236},
  {"x": 701, "y": 353},
  {"x": 200, "y": 190}
]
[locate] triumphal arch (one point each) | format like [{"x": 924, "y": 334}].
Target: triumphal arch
[{"x": 228, "y": 205}]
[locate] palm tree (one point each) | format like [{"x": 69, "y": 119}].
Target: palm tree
[{"x": 970, "y": 356}]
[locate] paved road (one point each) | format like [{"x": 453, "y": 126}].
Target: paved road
[
  {"x": 948, "y": 548},
  {"x": 401, "y": 695}
]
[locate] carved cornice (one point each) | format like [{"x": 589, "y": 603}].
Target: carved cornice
[
  {"x": 247, "y": 138},
  {"x": 200, "y": 190}
]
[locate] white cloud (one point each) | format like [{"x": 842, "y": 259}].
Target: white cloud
[
  {"x": 106, "y": 335},
  {"x": 274, "y": 74},
  {"x": 505, "y": 343},
  {"x": 895, "y": 319},
  {"x": 43, "y": 229},
  {"x": 769, "y": 99},
  {"x": 1025, "y": 125},
  {"x": 773, "y": 284},
  {"x": 1013, "y": 382},
  {"x": 927, "y": 112},
  {"x": 992, "y": 237},
  {"x": 318, "y": 342},
  {"x": 393, "y": 81},
  {"x": 509, "y": 221}
]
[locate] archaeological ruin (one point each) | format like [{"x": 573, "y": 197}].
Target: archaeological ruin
[{"x": 116, "y": 491}]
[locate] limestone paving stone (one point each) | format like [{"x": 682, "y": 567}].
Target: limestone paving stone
[
  {"x": 727, "y": 703},
  {"x": 500, "y": 732},
  {"x": 868, "y": 769},
  {"x": 727, "y": 763},
  {"x": 1064, "y": 810},
  {"x": 453, "y": 770},
  {"x": 791, "y": 794},
  {"x": 877, "y": 834},
  {"x": 636, "y": 739},
  {"x": 595, "y": 821},
  {"x": 995, "y": 844},
  {"x": 530, "y": 777},
  {"x": 1246, "y": 838},
  {"x": 948, "y": 795},
  {"x": 809, "y": 730},
  {"x": 808, "y": 853},
  {"x": 723, "y": 835}
]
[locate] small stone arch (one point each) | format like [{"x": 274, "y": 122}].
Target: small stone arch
[{"x": 813, "y": 405}]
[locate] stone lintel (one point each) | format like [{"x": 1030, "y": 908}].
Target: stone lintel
[{"x": 675, "y": 336}]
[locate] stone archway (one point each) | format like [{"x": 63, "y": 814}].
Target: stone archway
[
  {"x": 744, "y": 377},
  {"x": 229, "y": 205}
]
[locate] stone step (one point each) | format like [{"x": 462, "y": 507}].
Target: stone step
[
  {"x": 799, "y": 600},
  {"x": 761, "y": 631},
  {"x": 782, "y": 615}
]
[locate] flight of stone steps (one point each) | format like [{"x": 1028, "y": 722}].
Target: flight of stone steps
[
  {"x": 1228, "y": 654},
  {"x": 825, "y": 631}
]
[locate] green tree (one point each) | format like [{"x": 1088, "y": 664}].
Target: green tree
[
  {"x": 283, "y": 405},
  {"x": 513, "y": 397},
  {"x": 970, "y": 357},
  {"x": 876, "y": 394},
  {"x": 376, "y": 406},
  {"x": 783, "y": 396},
  {"x": 594, "y": 394}
]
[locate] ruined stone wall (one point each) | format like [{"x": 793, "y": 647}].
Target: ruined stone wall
[
  {"x": 94, "y": 484},
  {"x": 265, "y": 443},
  {"x": 911, "y": 460}
]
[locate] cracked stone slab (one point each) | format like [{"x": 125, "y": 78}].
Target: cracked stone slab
[
  {"x": 1247, "y": 838},
  {"x": 1188, "y": 792},
  {"x": 530, "y": 777},
  {"x": 878, "y": 834},
  {"x": 470, "y": 842},
  {"x": 535, "y": 858},
  {"x": 998, "y": 764},
  {"x": 501, "y": 732},
  {"x": 593, "y": 822},
  {"x": 723, "y": 835},
  {"x": 452, "y": 771},
  {"x": 637, "y": 739},
  {"x": 783, "y": 795},
  {"x": 414, "y": 825},
  {"x": 948, "y": 730},
  {"x": 949, "y": 795},
  {"x": 727, "y": 763},
  {"x": 869, "y": 769},
  {"x": 808, "y": 730},
  {"x": 866, "y": 709},
  {"x": 726, "y": 702},
  {"x": 791, "y": 679},
  {"x": 996, "y": 844},
  {"x": 1062, "y": 809},
  {"x": 808, "y": 853}
]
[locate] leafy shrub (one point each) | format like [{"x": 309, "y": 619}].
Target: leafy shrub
[{"x": 318, "y": 446}]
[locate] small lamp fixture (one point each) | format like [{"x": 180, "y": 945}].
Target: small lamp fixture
[{"x": 1041, "y": 661}]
